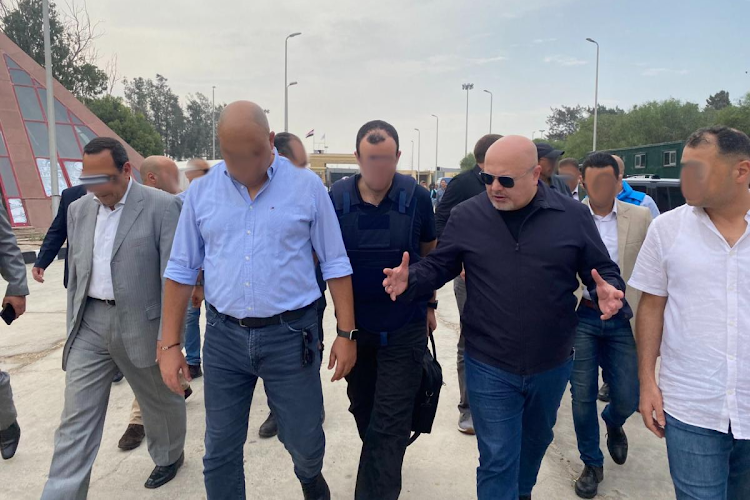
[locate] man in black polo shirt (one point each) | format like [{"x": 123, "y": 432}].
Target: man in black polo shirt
[
  {"x": 548, "y": 159},
  {"x": 462, "y": 187},
  {"x": 522, "y": 247}
]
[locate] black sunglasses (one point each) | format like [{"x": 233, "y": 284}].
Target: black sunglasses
[{"x": 505, "y": 181}]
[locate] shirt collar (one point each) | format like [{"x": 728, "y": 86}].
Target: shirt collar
[
  {"x": 271, "y": 170},
  {"x": 122, "y": 200},
  {"x": 612, "y": 213}
]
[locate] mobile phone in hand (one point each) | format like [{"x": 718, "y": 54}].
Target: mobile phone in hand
[{"x": 8, "y": 314}]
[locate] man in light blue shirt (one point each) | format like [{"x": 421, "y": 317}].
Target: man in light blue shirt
[{"x": 252, "y": 224}]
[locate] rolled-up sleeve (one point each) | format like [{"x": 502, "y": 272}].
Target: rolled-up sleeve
[
  {"x": 325, "y": 234},
  {"x": 649, "y": 274},
  {"x": 186, "y": 258}
]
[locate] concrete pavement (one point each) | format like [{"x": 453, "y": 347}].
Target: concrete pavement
[{"x": 438, "y": 466}]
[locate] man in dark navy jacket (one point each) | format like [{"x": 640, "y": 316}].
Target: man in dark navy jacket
[
  {"x": 522, "y": 247},
  {"x": 56, "y": 235}
]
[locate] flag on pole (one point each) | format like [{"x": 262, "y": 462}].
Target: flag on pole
[
  {"x": 310, "y": 133},
  {"x": 323, "y": 138}
]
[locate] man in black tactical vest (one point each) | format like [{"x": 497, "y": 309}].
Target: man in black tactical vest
[{"x": 382, "y": 215}]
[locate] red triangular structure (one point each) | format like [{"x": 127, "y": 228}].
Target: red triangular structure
[{"x": 24, "y": 155}]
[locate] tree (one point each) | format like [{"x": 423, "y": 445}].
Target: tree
[
  {"x": 71, "y": 37},
  {"x": 719, "y": 101},
  {"x": 197, "y": 136},
  {"x": 564, "y": 121},
  {"x": 132, "y": 127},
  {"x": 468, "y": 162}
]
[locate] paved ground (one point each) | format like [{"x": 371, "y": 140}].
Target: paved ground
[{"x": 438, "y": 466}]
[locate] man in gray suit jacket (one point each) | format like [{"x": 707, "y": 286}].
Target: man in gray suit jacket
[
  {"x": 120, "y": 238},
  {"x": 13, "y": 270}
]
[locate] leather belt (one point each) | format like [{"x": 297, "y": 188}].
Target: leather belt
[
  {"x": 286, "y": 317},
  {"x": 106, "y": 301},
  {"x": 589, "y": 304}
]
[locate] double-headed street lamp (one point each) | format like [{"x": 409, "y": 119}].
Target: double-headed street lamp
[
  {"x": 491, "y": 97},
  {"x": 287, "y": 85},
  {"x": 467, "y": 87},
  {"x": 596, "y": 90}
]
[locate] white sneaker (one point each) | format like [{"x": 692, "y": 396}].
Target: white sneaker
[{"x": 466, "y": 424}]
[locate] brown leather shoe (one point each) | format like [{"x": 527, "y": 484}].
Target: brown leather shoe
[{"x": 132, "y": 438}]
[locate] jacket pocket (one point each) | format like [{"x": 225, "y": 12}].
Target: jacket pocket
[{"x": 153, "y": 312}]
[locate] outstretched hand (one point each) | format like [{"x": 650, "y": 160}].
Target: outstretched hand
[
  {"x": 610, "y": 298},
  {"x": 397, "y": 279}
]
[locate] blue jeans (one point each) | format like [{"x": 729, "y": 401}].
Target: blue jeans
[
  {"x": 287, "y": 358},
  {"x": 611, "y": 345},
  {"x": 707, "y": 464},
  {"x": 513, "y": 418},
  {"x": 193, "y": 335}
]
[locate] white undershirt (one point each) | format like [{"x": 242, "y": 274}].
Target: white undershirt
[
  {"x": 607, "y": 226},
  {"x": 107, "y": 221}
]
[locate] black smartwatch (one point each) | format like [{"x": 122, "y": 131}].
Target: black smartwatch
[
  {"x": 432, "y": 305},
  {"x": 352, "y": 335}
]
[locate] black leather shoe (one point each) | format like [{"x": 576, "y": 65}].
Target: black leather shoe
[
  {"x": 188, "y": 392},
  {"x": 195, "y": 371},
  {"x": 588, "y": 484},
  {"x": 9, "y": 440},
  {"x": 317, "y": 490},
  {"x": 269, "y": 428},
  {"x": 617, "y": 444},
  {"x": 164, "y": 474},
  {"x": 118, "y": 377},
  {"x": 603, "y": 393},
  {"x": 132, "y": 438}
]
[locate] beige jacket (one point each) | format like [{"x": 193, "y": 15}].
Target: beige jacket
[{"x": 632, "y": 226}]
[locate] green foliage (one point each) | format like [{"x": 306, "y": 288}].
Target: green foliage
[
  {"x": 719, "y": 100},
  {"x": 468, "y": 162},
  {"x": 132, "y": 127},
  {"x": 72, "y": 53}
]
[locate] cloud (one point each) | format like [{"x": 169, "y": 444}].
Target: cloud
[
  {"x": 565, "y": 60},
  {"x": 543, "y": 40},
  {"x": 664, "y": 71},
  {"x": 487, "y": 60}
]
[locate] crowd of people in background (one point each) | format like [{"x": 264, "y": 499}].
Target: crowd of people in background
[{"x": 559, "y": 269}]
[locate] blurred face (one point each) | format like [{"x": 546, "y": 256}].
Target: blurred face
[
  {"x": 443, "y": 184},
  {"x": 300, "y": 155},
  {"x": 709, "y": 179},
  {"x": 247, "y": 152},
  {"x": 378, "y": 161},
  {"x": 525, "y": 177},
  {"x": 197, "y": 171},
  {"x": 571, "y": 174},
  {"x": 167, "y": 178},
  {"x": 103, "y": 164},
  {"x": 601, "y": 186},
  {"x": 548, "y": 168}
]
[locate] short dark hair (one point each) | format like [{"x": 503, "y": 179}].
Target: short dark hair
[
  {"x": 483, "y": 144},
  {"x": 730, "y": 141},
  {"x": 378, "y": 125},
  {"x": 282, "y": 143},
  {"x": 573, "y": 162},
  {"x": 116, "y": 149},
  {"x": 600, "y": 160}
]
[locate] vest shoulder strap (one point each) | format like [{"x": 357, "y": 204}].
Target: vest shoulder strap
[
  {"x": 403, "y": 190},
  {"x": 341, "y": 194}
]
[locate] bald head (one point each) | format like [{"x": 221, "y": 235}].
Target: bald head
[
  {"x": 513, "y": 157},
  {"x": 246, "y": 142},
  {"x": 621, "y": 165},
  {"x": 161, "y": 172}
]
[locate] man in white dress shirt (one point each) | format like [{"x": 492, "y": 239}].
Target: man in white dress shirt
[
  {"x": 609, "y": 344},
  {"x": 694, "y": 272}
]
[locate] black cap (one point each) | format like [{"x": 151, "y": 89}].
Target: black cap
[{"x": 544, "y": 150}]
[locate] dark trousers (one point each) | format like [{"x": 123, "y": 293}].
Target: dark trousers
[
  {"x": 382, "y": 388},
  {"x": 233, "y": 359},
  {"x": 513, "y": 418},
  {"x": 459, "y": 289},
  {"x": 609, "y": 344}
]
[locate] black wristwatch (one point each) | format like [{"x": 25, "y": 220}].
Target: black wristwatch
[
  {"x": 432, "y": 305},
  {"x": 352, "y": 335}
]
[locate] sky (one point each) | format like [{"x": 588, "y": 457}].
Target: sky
[{"x": 405, "y": 60}]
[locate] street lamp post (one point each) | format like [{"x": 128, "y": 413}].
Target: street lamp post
[
  {"x": 437, "y": 138},
  {"x": 419, "y": 152},
  {"x": 467, "y": 87},
  {"x": 286, "y": 85},
  {"x": 596, "y": 91},
  {"x": 541, "y": 134},
  {"x": 52, "y": 136},
  {"x": 532, "y": 134},
  {"x": 491, "y": 99},
  {"x": 412, "y": 155},
  {"x": 213, "y": 122}
]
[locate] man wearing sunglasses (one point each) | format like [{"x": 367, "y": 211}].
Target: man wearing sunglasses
[
  {"x": 382, "y": 215},
  {"x": 522, "y": 247}
]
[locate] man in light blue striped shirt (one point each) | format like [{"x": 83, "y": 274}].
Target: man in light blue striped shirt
[{"x": 252, "y": 225}]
